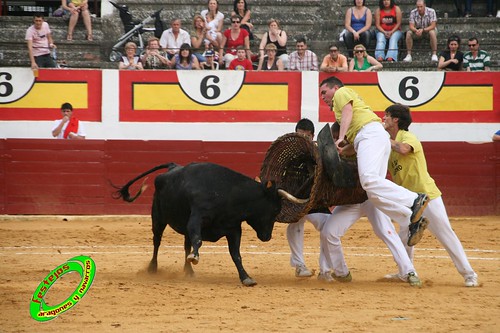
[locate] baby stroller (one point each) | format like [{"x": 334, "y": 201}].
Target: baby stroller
[{"x": 134, "y": 28}]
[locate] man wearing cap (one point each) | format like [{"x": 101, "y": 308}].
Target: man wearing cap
[{"x": 68, "y": 127}]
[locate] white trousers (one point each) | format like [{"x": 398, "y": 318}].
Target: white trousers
[
  {"x": 373, "y": 148},
  {"x": 342, "y": 218},
  {"x": 439, "y": 226},
  {"x": 295, "y": 236}
]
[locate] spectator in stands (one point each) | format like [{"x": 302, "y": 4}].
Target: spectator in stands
[
  {"x": 199, "y": 40},
  {"x": 302, "y": 59},
  {"x": 468, "y": 8},
  {"x": 153, "y": 57},
  {"x": 39, "y": 41},
  {"x": 496, "y": 136},
  {"x": 271, "y": 62},
  {"x": 68, "y": 127},
  {"x": 231, "y": 39},
  {"x": 185, "y": 59},
  {"x": 423, "y": 23},
  {"x": 358, "y": 21},
  {"x": 334, "y": 61},
  {"x": 130, "y": 60},
  {"x": 388, "y": 22},
  {"x": 362, "y": 62},
  {"x": 276, "y": 36},
  {"x": 210, "y": 63},
  {"x": 172, "y": 38},
  {"x": 214, "y": 21},
  {"x": 74, "y": 8},
  {"x": 476, "y": 60},
  {"x": 240, "y": 8},
  {"x": 451, "y": 59},
  {"x": 241, "y": 63}
]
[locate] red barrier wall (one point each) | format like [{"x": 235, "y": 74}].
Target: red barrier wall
[{"x": 72, "y": 177}]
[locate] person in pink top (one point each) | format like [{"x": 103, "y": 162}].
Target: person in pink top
[{"x": 39, "y": 41}]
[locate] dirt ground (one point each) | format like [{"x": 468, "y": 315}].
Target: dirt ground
[{"x": 125, "y": 298}]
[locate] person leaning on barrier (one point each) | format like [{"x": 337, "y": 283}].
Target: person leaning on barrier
[
  {"x": 334, "y": 61},
  {"x": 39, "y": 41},
  {"x": 68, "y": 127},
  {"x": 153, "y": 58},
  {"x": 271, "y": 62},
  {"x": 476, "y": 60},
  {"x": 451, "y": 59}
]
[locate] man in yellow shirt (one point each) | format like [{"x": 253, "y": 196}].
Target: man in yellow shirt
[
  {"x": 362, "y": 128},
  {"x": 408, "y": 168}
]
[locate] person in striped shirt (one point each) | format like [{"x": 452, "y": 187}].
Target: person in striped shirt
[{"x": 476, "y": 60}]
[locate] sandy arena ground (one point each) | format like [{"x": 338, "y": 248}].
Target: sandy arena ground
[{"x": 125, "y": 298}]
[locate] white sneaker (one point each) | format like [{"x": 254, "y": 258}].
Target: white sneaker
[
  {"x": 325, "y": 277},
  {"x": 395, "y": 277},
  {"x": 407, "y": 58},
  {"x": 302, "y": 271},
  {"x": 434, "y": 58},
  {"x": 471, "y": 281}
]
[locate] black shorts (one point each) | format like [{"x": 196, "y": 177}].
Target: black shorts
[{"x": 45, "y": 61}]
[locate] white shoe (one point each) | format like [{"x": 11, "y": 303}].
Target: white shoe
[
  {"x": 325, "y": 277},
  {"x": 471, "y": 281},
  {"x": 413, "y": 280},
  {"x": 395, "y": 277},
  {"x": 302, "y": 271},
  {"x": 407, "y": 58},
  {"x": 434, "y": 58}
]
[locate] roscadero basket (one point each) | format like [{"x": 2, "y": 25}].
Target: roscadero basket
[
  {"x": 292, "y": 162},
  {"x": 297, "y": 166}
]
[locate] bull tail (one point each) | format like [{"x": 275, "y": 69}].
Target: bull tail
[{"x": 123, "y": 191}]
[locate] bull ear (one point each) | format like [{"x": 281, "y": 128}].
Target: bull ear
[
  {"x": 257, "y": 179},
  {"x": 269, "y": 184}
]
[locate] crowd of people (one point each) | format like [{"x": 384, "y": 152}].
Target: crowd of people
[{"x": 209, "y": 39}]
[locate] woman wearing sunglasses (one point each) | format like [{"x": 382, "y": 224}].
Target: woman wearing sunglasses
[{"x": 362, "y": 62}]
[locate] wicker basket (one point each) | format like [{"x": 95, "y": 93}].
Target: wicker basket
[{"x": 293, "y": 161}]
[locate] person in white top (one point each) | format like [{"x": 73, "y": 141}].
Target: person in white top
[
  {"x": 68, "y": 127},
  {"x": 172, "y": 38},
  {"x": 214, "y": 21}
]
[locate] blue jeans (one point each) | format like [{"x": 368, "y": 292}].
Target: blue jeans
[{"x": 392, "y": 52}]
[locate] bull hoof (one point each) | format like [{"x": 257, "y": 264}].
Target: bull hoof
[
  {"x": 152, "y": 268},
  {"x": 249, "y": 282},
  {"x": 192, "y": 258}
]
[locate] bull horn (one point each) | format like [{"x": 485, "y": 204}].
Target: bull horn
[{"x": 289, "y": 197}]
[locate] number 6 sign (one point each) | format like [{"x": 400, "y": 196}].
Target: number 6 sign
[
  {"x": 410, "y": 88},
  {"x": 15, "y": 83}
]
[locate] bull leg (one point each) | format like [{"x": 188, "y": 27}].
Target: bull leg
[
  {"x": 158, "y": 227},
  {"x": 194, "y": 232},
  {"x": 188, "y": 269},
  {"x": 233, "y": 242}
]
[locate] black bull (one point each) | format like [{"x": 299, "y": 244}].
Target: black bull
[{"x": 205, "y": 202}]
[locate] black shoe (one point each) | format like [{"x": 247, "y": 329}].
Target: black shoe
[
  {"x": 418, "y": 207},
  {"x": 417, "y": 231}
]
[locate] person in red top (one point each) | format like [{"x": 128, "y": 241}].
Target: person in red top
[
  {"x": 241, "y": 62},
  {"x": 231, "y": 39},
  {"x": 388, "y": 22}
]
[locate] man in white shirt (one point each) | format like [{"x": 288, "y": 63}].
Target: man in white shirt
[
  {"x": 172, "y": 38},
  {"x": 302, "y": 59}
]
